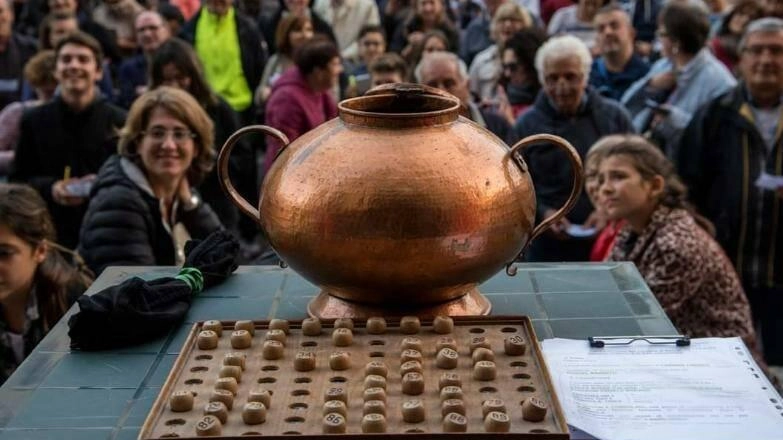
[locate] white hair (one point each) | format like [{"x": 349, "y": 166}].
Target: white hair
[
  {"x": 562, "y": 47},
  {"x": 439, "y": 56}
]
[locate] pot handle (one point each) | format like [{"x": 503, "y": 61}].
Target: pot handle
[
  {"x": 225, "y": 153},
  {"x": 576, "y": 187}
]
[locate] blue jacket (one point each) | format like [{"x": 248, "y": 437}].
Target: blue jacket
[
  {"x": 614, "y": 84},
  {"x": 475, "y": 38},
  {"x": 132, "y": 74},
  {"x": 703, "y": 79}
]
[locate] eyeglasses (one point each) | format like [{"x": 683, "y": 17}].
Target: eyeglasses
[
  {"x": 180, "y": 135},
  {"x": 756, "y": 50}
]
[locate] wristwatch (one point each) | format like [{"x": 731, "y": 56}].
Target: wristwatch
[{"x": 192, "y": 203}]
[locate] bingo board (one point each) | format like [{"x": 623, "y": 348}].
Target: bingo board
[{"x": 482, "y": 377}]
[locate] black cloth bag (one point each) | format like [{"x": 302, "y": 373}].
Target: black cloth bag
[{"x": 138, "y": 311}]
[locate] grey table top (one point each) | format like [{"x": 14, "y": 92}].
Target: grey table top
[{"x": 59, "y": 394}]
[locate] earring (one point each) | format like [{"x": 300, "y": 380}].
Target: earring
[{"x": 675, "y": 49}]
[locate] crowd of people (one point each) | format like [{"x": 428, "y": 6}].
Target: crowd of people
[{"x": 112, "y": 111}]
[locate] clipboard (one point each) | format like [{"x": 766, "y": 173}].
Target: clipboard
[
  {"x": 603, "y": 341},
  {"x": 670, "y": 386}
]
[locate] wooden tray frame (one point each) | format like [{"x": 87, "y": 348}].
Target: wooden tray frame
[{"x": 159, "y": 406}]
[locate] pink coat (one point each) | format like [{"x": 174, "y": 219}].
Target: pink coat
[{"x": 294, "y": 108}]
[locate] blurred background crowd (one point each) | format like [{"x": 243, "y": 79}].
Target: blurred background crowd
[{"x": 112, "y": 111}]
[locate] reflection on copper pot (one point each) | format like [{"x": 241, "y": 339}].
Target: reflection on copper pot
[{"x": 399, "y": 201}]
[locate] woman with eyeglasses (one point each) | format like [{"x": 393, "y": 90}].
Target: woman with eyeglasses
[
  {"x": 485, "y": 70},
  {"x": 143, "y": 204},
  {"x": 175, "y": 64},
  {"x": 685, "y": 78}
]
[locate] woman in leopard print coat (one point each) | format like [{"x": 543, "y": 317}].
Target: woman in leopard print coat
[{"x": 685, "y": 268}]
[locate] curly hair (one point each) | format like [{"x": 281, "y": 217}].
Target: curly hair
[{"x": 39, "y": 70}]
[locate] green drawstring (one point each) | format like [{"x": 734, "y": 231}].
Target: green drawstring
[{"x": 192, "y": 277}]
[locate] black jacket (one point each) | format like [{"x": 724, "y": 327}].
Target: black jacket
[
  {"x": 549, "y": 166},
  {"x": 124, "y": 226},
  {"x": 51, "y": 137},
  {"x": 719, "y": 158},
  {"x": 251, "y": 46},
  {"x": 226, "y": 123}
]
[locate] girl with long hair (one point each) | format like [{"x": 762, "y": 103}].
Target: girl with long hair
[
  {"x": 671, "y": 245},
  {"x": 37, "y": 282}
]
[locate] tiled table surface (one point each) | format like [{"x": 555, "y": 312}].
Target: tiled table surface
[{"x": 58, "y": 394}]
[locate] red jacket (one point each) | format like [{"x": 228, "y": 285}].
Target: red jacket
[{"x": 294, "y": 108}]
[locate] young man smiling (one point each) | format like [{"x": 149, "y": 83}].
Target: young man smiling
[{"x": 63, "y": 143}]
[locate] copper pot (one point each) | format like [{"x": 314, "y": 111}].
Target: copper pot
[{"x": 400, "y": 203}]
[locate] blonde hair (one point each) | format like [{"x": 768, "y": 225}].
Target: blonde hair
[
  {"x": 182, "y": 106},
  {"x": 509, "y": 10}
]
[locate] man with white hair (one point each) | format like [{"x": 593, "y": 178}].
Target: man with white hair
[
  {"x": 729, "y": 144},
  {"x": 443, "y": 70},
  {"x": 570, "y": 109}
]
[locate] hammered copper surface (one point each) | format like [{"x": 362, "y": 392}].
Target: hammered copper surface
[
  {"x": 399, "y": 200},
  {"x": 326, "y": 306}
]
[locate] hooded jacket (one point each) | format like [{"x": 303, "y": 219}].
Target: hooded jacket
[{"x": 294, "y": 108}]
